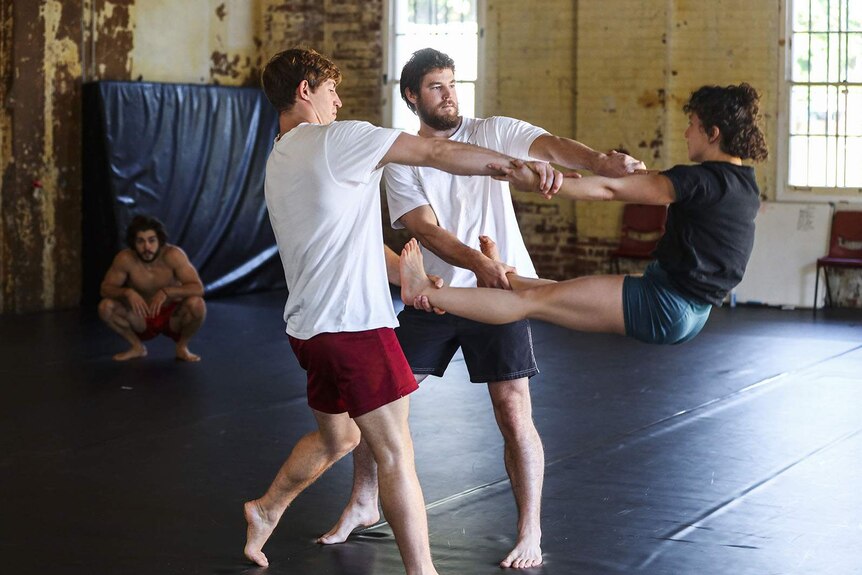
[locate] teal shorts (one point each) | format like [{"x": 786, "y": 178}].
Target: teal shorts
[{"x": 655, "y": 312}]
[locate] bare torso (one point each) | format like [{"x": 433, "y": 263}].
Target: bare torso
[{"x": 148, "y": 278}]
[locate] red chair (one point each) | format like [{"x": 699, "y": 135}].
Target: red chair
[
  {"x": 845, "y": 249},
  {"x": 643, "y": 227}
]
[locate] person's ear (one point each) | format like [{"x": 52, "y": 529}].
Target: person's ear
[
  {"x": 303, "y": 91},
  {"x": 714, "y": 135},
  {"x": 411, "y": 96}
]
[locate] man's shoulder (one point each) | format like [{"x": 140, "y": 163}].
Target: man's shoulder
[
  {"x": 125, "y": 257},
  {"x": 174, "y": 254}
]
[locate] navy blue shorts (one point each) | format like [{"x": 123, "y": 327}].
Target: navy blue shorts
[
  {"x": 491, "y": 352},
  {"x": 655, "y": 312}
]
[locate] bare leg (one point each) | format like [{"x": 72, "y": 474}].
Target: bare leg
[
  {"x": 361, "y": 510},
  {"x": 585, "y": 304},
  {"x": 525, "y": 465},
  {"x": 388, "y": 435},
  {"x": 336, "y": 436},
  {"x": 186, "y": 321},
  {"x": 125, "y": 323}
]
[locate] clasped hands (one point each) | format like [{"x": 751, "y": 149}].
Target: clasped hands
[{"x": 531, "y": 176}]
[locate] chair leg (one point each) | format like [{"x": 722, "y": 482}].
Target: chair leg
[
  {"x": 816, "y": 282},
  {"x": 828, "y": 289}
]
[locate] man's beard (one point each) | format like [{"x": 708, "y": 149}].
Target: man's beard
[
  {"x": 151, "y": 260},
  {"x": 436, "y": 119}
]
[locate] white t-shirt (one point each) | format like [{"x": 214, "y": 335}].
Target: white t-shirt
[
  {"x": 468, "y": 206},
  {"x": 323, "y": 196}
]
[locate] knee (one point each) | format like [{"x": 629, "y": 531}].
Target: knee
[
  {"x": 340, "y": 445},
  {"x": 196, "y": 307},
  {"x": 513, "y": 411},
  {"x": 107, "y": 307}
]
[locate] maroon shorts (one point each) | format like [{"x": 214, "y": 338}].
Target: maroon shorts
[
  {"x": 356, "y": 372},
  {"x": 161, "y": 324}
]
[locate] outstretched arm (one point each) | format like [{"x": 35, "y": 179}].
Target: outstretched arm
[
  {"x": 462, "y": 159},
  {"x": 636, "y": 189},
  {"x": 575, "y": 155}
]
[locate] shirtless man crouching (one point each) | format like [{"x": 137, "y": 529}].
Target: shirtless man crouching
[{"x": 151, "y": 289}]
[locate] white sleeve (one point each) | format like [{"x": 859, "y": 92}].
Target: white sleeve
[
  {"x": 404, "y": 191},
  {"x": 515, "y": 136},
  {"x": 353, "y": 149}
]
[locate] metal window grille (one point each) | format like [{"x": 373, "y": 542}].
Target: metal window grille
[{"x": 825, "y": 92}]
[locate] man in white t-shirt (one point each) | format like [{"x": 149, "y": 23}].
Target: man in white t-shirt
[
  {"x": 322, "y": 193},
  {"x": 448, "y": 214}
]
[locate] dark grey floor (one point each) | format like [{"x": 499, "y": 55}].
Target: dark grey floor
[{"x": 739, "y": 452}]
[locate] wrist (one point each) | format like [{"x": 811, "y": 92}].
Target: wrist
[
  {"x": 597, "y": 163},
  {"x": 164, "y": 291}
]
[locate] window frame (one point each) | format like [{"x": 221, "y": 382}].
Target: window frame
[{"x": 784, "y": 190}]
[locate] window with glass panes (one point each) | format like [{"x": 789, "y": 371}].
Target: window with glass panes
[
  {"x": 450, "y": 26},
  {"x": 823, "y": 95}
]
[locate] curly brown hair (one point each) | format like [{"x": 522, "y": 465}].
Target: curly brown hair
[
  {"x": 735, "y": 111},
  {"x": 142, "y": 223},
  {"x": 287, "y": 69}
]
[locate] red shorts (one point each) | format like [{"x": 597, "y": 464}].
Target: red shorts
[
  {"x": 356, "y": 372},
  {"x": 161, "y": 324}
]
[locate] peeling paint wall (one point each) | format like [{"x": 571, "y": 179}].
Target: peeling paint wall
[
  {"x": 41, "y": 165},
  {"x": 6, "y": 75},
  {"x": 612, "y": 74}
]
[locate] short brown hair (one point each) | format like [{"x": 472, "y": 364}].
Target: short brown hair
[
  {"x": 735, "y": 110},
  {"x": 420, "y": 63},
  {"x": 287, "y": 69}
]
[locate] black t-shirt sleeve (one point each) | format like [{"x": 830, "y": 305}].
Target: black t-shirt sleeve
[{"x": 691, "y": 185}]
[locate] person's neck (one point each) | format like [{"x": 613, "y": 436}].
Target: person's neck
[
  {"x": 426, "y": 131},
  {"x": 298, "y": 115},
  {"x": 716, "y": 155}
]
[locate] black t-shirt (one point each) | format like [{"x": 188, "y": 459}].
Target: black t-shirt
[{"x": 710, "y": 228}]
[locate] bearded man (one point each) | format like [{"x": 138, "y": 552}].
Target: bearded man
[{"x": 152, "y": 288}]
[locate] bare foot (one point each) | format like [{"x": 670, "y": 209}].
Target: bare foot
[
  {"x": 184, "y": 354},
  {"x": 414, "y": 280},
  {"x": 527, "y": 553},
  {"x": 132, "y": 353},
  {"x": 258, "y": 531},
  {"x": 489, "y": 248},
  {"x": 353, "y": 517}
]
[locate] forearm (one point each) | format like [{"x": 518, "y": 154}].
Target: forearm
[
  {"x": 571, "y": 154},
  {"x": 593, "y": 188},
  {"x": 463, "y": 159},
  {"x": 448, "y": 247}
]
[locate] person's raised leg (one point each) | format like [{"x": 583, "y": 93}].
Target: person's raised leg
[
  {"x": 186, "y": 321},
  {"x": 125, "y": 323},
  {"x": 525, "y": 465},
  {"x": 388, "y": 435},
  {"x": 335, "y": 437},
  {"x": 586, "y": 304}
]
